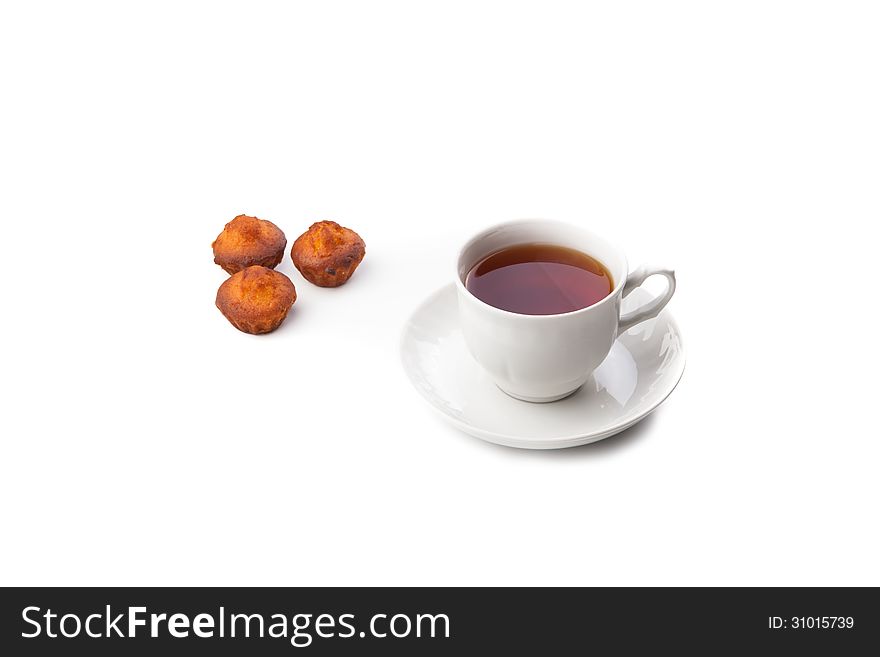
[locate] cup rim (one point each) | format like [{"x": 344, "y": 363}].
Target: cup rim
[{"x": 618, "y": 285}]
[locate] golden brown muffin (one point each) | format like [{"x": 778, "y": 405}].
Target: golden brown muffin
[
  {"x": 247, "y": 241},
  {"x": 256, "y": 299},
  {"x": 327, "y": 254}
]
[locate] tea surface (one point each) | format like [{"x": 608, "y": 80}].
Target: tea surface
[{"x": 539, "y": 279}]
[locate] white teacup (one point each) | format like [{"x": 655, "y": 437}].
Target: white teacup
[{"x": 542, "y": 358}]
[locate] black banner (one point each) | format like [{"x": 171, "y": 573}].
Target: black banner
[{"x": 435, "y": 621}]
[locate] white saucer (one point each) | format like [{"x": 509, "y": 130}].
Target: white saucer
[{"x": 643, "y": 368}]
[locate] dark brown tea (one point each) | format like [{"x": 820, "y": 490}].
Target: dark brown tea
[{"x": 539, "y": 279}]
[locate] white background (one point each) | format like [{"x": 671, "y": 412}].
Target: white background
[{"x": 146, "y": 441}]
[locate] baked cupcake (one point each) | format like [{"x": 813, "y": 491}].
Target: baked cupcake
[
  {"x": 256, "y": 299},
  {"x": 327, "y": 254},
  {"x": 247, "y": 241}
]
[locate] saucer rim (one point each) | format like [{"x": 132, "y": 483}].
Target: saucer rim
[{"x": 505, "y": 440}]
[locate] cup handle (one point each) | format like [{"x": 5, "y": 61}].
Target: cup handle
[{"x": 654, "y": 306}]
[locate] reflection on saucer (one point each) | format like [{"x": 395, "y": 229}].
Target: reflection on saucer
[{"x": 618, "y": 374}]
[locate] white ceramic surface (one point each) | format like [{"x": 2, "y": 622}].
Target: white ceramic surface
[
  {"x": 543, "y": 358},
  {"x": 643, "y": 367}
]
